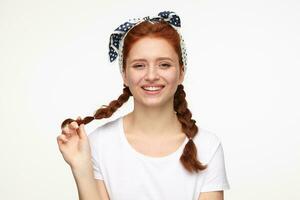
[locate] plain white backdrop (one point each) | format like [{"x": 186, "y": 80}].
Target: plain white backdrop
[{"x": 242, "y": 83}]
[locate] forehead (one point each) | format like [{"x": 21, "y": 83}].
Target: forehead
[{"x": 150, "y": 47}]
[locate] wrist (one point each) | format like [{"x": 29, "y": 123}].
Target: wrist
[
  {"x": 85, "y": 169},
  {"x": 81, "y": 163}
]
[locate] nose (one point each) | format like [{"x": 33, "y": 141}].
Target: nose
[{"x": 152, "y": 73}]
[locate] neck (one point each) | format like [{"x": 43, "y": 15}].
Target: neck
[{"x": 154, "y": 122}]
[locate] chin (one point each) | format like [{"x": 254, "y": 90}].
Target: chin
[{"x": 155, "y": 102}]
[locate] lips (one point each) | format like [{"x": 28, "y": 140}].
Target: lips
[
  {"x": 157, "y": 85},
  {"x": 152, "y": 88}
]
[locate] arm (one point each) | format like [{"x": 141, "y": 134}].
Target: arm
[
  {"x": 86, "y": 184},
  {"x": 74, "y": 145},
  {"x": 216, "y": 195},
  {"x": 103, "y": 192}
]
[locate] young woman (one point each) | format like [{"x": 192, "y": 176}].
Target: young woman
[{"x": 155, "y": 152}]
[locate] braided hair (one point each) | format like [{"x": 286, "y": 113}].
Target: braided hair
[{"x": 188, "y": 125}]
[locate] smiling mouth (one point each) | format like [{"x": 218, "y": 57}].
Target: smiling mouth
[{"x": 153, "y": 88}]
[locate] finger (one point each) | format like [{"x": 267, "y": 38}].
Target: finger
[
  {"x": 73, "y": 125},
  {"x": 81, "y": 132},
  {"x": 66, "y": 131},
  {"x": 61, "y": 142},
  {"x": 62, "y": 139}
]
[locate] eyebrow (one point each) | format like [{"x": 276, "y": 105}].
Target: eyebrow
[{"x": 158, "y": 59}]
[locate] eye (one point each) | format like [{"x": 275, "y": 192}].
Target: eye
[
  {"x": 138, "y": 65},
  {"x": 165, "y": 65}
]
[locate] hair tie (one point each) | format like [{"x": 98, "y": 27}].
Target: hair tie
[{"x": 117, "y": 37}]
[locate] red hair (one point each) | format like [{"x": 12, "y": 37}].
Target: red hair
[
  {"x": 157, "y": 30},
  {"x": 160, "y": 30}
]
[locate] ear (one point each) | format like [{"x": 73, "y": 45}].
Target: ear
[
  {"x": 181, "y": 75},
  {"x": 124, "y": 78}
]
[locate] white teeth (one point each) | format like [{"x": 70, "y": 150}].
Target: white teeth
[{"x": 152, "y": 88}]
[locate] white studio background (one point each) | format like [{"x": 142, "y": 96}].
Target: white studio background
[{"x": 242, "y": 83}]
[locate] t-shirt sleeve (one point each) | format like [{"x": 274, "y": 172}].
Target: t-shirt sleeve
[
  {"x": 96, "y": 169},
  {"x": 94, "y": 155},
  {"x": 216, "y": 178}
]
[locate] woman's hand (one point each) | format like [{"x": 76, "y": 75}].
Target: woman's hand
[{"x": 74, "y": 145}]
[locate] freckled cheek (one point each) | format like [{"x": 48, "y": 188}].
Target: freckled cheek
[
  {"x": 135, "y": 79},
  {"x": 171, "y": 78}
]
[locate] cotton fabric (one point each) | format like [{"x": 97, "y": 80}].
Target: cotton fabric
[{"x": 129, "y": 174}]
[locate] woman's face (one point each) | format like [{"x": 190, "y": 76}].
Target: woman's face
[{"x": 153, "y": 62}]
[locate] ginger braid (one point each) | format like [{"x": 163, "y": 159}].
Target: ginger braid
[
  {"x": 189, "y": 156},
  {"x": 104, "y": 112}
]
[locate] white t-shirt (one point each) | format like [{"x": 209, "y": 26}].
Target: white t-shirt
[{"x": 131, "y": 175}]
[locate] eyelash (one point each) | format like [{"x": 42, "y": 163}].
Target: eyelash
[
  {"x": 165, "y": 64},
  {"x": 136, "y": 66}
]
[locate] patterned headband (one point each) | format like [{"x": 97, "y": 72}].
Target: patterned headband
[{"x": 117, "y": 37}]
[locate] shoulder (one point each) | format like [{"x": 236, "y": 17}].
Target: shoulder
[
  {"x": 104, "y": 133},
  {"x": 207, "y": 143}
]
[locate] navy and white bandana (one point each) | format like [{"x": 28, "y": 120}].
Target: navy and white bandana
[{"x": 117, "y": 37}]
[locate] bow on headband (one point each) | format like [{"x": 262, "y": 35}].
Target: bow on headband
[{"x": 117, "y": 37}]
